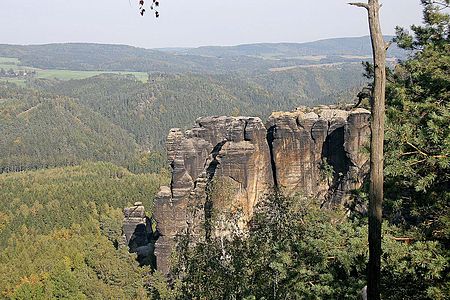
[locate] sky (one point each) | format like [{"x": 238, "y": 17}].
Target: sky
[{"x": 192, "y": 23}]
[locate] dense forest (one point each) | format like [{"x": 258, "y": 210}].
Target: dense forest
[
  {"x": 120, "y": 119},
  {"x": 246, "y": 59},
  {"x": 296, "y": 250},
  {"x": 61, "y": 230},
  {"x": 74, "y": 153}
]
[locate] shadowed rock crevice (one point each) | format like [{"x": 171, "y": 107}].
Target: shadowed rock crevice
[
  {"x": 211, "y": 169},
  {"x": 138, "y": 234},
  {"x": 334, "y": 154},
  {"x": 333, "y": 151},
  {"x": 210, "y": 172},
  {"x": 270, "y": 139}
]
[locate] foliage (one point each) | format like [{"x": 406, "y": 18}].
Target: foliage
[
  {"x": 56, "y": 198},
  {"x": 295, "y": 250},
  {"x": 117, "y": 118},
  {"x": 41, "y": 130},
  {"x": 61, "y": 231},
  {"x": 418, "y": 135},
  {"x": 148, "y": 111},
  {"x": 417, "y": 199}
]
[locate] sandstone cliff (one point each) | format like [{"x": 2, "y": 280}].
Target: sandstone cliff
[
  {"x": 138, "y": 235},
  {"x": 319, "y": 151},
  {"x": 223, "y": 165}
]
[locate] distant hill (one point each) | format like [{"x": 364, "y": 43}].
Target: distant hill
[
  {"x": 148, "y": 110},
  {"x": 351, "y": 46},
  {"x": 44, "y": 130},
  {"x": 47, "y": 122},
  {"x": 249, "y": 58}
]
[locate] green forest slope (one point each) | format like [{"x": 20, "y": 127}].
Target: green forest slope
[
  {"x": 120, "y": 119},
  {"x": 43, "y": 130},
  {"x": 60, "y": 230}
]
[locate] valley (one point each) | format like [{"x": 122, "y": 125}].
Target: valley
[
  {"x": 222, "y": 172},
  {"x": 103, "y": 107}
]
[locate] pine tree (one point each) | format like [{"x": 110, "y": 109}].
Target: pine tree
[{"x": 418, "y": 135}]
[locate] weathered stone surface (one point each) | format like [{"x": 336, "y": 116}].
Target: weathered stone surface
[
  {"x": 223, "y": 165},
  {"x": 216, "y": 151},
  {"x": 305, "y": 141},
  {"x": 137, "y": 233},
  {"x": 134, "y": 220}
]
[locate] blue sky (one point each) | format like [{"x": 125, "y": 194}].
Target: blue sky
[{"x": 189, "y": 23}]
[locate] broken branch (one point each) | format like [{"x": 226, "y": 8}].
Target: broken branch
[{"x": 360, "y": 4}]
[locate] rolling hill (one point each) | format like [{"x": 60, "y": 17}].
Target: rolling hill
[
  {"x": 43, "y": 130},
  {"x": 74, "y": 110},
  {"x": 351, "y": 46},
  {"x": 251, "y": 58}
]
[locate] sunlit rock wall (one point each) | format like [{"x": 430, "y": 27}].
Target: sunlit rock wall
[{"x": 224, "y": 165}]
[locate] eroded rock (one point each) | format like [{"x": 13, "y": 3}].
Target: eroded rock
[
  {"x": 138, "y": 234},
  {"x": 228, "y": 156},
  {"x": 224, "y": 165},
  {"x": 317, "y": 151}
]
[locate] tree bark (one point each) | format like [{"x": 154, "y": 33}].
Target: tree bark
[{"x": 379, "y": 48}]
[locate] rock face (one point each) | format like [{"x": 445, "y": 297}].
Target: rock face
[
  {"x": 317, "y": 152},
  {"x": 223, "y": 165},
  {"x": 137, "y": 233}
]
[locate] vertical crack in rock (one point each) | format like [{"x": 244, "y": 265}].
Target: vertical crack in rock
[
  {"x": 270, "y": 138},
  {"x": 172, "y": 166},
  {"x": 210, "y": 172},
  {"x": 311, "y": 132},
  {"x": 247, "y": 136},
  {"x": 334, "y": 153}
]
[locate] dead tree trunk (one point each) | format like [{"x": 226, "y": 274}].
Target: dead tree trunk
[{"x": 379, "y": 48}]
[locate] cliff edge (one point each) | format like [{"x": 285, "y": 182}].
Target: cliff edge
[{"x": 224, "y": 165}]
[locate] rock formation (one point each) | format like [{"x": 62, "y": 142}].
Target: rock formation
[
  {"x": 223, "y": 156},
  {"x": 223, "y": 165},
  {"x": 305, "y": 142},
  {"x": 138, "y": 234}
]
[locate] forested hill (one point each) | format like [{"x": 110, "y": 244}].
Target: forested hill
[
  {"x": 244, "y": 58},
  {"x": 43, "y": 130},
  {"x": 333, "y": 48},
  {"x": 61, "y": 114},
  {"x": 149, "y": 110},
  {"x": 118, "y": 118}
]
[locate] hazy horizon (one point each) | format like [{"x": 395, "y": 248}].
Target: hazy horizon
[
  {"x": 187, "y": 47},
  {"x": 193, "y": 24}
]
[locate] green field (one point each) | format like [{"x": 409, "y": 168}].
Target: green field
[
  {"x": 68, "y": 74},
  {"x": 10, "y": 62}
]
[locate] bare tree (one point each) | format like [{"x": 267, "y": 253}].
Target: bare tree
[{"x": 379, "y": 48}]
